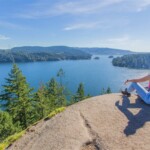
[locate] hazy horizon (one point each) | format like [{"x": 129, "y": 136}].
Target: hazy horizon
[
  {"x": 69, "y": 46},
  {"x": 119, "y": 24}
]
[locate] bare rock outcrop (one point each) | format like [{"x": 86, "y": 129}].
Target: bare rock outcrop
[{"x": 108, "y": 122}]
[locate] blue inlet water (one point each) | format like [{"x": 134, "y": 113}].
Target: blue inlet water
[{"x": 94, "y": 74}]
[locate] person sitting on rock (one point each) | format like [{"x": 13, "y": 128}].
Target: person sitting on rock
[{"x": 141, "y": 91}]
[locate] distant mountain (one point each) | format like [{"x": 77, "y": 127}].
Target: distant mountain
[
  {"x": 106, "y": 51},
  {"x": 66, "y": 49},
  {"x": 54, "y": 53},
  {"x": 50, "y": 49},
  {"x": 37, "y": 53}
]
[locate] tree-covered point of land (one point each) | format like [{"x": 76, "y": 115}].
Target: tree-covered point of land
[
  {"x": 37, "y": 53},
  {"x": 137, "y": 61}
]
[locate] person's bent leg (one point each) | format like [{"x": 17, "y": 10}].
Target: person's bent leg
[{"x": 141, "y": 91}]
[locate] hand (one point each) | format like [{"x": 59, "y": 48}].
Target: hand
[{"x": 126, "y": 81}]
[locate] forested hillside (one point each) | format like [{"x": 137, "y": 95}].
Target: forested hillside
[
  {"x": 106, "y": 51},
  {"x": 54, "y": 53},
  {"x": 36, "y": 53},
  {"x": 137, "y": 61}
]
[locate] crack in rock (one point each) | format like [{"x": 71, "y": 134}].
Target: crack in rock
[{"x": 95, "y": 142}]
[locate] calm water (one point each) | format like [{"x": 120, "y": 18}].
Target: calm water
[{"x": 95, "y": 74}]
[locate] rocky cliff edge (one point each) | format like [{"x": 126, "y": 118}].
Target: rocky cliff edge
[{"x": 108, "y": 122}]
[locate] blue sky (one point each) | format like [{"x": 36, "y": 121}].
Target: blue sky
[{"x": 123, "y": 24}]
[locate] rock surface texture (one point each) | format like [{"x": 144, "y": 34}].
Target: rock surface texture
[{"x": 108, "y": 122}]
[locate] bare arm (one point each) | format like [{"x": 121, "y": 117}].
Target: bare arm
[{"x": 143, "y": 79}]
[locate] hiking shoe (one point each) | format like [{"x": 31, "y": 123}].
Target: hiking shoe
[{"x": 126, "y": 93}]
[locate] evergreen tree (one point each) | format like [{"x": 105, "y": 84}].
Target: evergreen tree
[
  {"x": 108, "y": 91},
  {"x": 6, "y": 126},
  {"x": 18, "y": 97},
  {"x": 52, "y": 87},
  {"x": 103, "y": 91},
  {"x": 61, "y": 74},
  {"x": 88, "y": 96},
  {"x": 42, "y": 106},
  {"x": 80, "y": 93},
  {"x": 56, "y": 94}
]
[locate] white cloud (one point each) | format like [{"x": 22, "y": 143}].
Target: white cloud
[
  {"x": 7, "y": 24},
  {"x": 86, "y": 25},
  {"x": 142, "y": 4},
  {"x": 84, "y": 6},
  {"x": 10, "y": 25},
  {"x": 122, "y": 39},
  {"x": 3, "y": 37},
  {"x": 46, "y": 9},
  {"x": 134, "y": 5}
]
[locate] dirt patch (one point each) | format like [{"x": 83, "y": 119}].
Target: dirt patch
[{"x": 91, "y": 145}]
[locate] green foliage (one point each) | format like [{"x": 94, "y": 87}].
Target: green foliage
[
  {"x": 55, "y": 92},
  {"x": 80, "y": 91},
  {"x": 9, "y": 140},
  {"x": 48, "y": 98},
  {"x": 6, "y": 125},
  {"x": 52, "y": 87},
  {"x": 79, "y": 94},
  {"x": 42, "y": 103},
  {"x": 53, "y": 113},
  {"x": 107, "y": 91},
  {"x": 138, "y": 61},
  {"x": 18, "y": 97},
  {"x": 88, "y": 96},
  {"x": 61, "y": 74}
]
